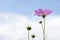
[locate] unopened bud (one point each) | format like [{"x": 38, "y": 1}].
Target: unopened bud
[
  {"x": 33, "y": 36},
  {"x": 28, "y": 28},
  {"x": 40, "y": 21}
]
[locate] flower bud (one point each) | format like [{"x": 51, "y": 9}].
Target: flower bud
[
  {"x": 33, "y": 36},
  {"x": 40, "y": 21},
  {"x": 28, "y": 28}
]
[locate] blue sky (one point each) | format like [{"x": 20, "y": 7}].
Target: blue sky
[
  {"x": 15, "y": 15},
  {"x": 27, "y": 7}
]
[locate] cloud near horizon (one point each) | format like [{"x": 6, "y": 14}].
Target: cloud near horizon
[{"x": 13, "y": 27}]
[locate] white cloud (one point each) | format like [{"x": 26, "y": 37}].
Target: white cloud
[
  {"x": 53, "y": 28},
  {"x": 13, "y": 27}
]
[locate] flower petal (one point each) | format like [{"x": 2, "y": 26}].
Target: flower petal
[
  {"x": 37, "y": 13},
  {"x": 40, "y": 11},
  {"x": 47, "y": 11}
]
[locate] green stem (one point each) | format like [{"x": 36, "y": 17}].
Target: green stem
[
  {"x": 28, "y": 34},
  {"x": 44, "y": 30},
  {"x": 42, "y": 26}
]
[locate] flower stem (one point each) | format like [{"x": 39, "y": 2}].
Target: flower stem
[
  {"x": 42, "y": 26},
  {"x": 44, "y": 30},
  {"x": 28, "y": 34}
]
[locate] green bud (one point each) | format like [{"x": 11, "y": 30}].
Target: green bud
[
  {"x": 33, "y": 36},
  {"x": 40, "y": 21},
  {"x": 28, "y": 28}
]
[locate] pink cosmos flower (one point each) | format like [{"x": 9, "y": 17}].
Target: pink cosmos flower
[{"x": 41, "y": 12}]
